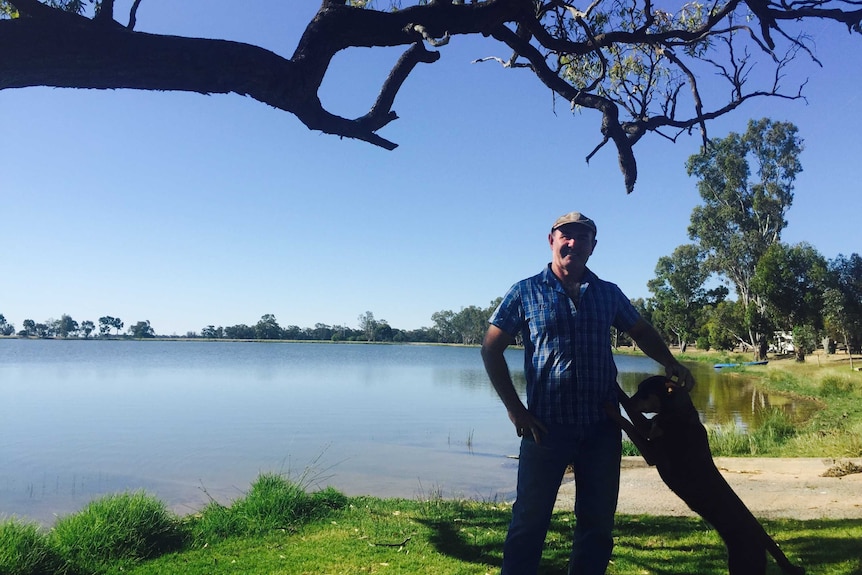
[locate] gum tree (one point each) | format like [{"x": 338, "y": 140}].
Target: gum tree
[
  {"x": 635, "y": 63},
  {"x": 679, "y": 293},
  {"x": 746, "y": 184},
  {"x": 843, "y": 301}
]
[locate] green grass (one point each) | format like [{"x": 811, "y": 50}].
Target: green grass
[
  {"x": 24, "y": 550},
  {"x": 327, "y": 533},
  {"x": 117, "y": 530},
  {"x": 462, "y": 538}
]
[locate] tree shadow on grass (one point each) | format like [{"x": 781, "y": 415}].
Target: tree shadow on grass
[
  {"x": 686, "y": 546},
  {"x": 652, "y": 544},
  {"x": 470, "y": 533}
]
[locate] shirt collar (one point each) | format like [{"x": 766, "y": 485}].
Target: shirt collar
[{"x": 551, "y": 279}]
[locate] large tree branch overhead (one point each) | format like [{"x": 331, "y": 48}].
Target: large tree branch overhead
[{"x": 634, "y": 63}]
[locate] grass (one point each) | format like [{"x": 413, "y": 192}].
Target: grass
[
  {"x": 395, "y": 536},
  {"x": 278, "y": 528},
  {"x": 117, "y": 530},
  {"x": 24, "y": 550}
]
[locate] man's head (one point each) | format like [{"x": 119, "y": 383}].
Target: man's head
[{"x": 572, "y": 240}]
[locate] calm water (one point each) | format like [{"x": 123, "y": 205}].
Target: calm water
[{"x": 191, "y": 420}]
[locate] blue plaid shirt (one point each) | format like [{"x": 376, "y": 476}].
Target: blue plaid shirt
[{"x": 568, "y": 362}]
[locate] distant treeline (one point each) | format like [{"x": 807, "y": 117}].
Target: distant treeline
[{"x": 466, "y": 326}]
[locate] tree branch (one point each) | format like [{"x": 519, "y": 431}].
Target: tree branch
[{"x": 630, "y": 60}]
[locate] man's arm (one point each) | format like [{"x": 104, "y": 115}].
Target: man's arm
[
  {"x": 652, "y": 344},
  {"x": 495, "y": 343}
]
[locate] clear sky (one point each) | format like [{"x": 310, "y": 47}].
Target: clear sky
[{"x": 189, "y": 210}]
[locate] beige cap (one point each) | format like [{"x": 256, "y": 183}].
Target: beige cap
[{"x": 575, "y": 218}]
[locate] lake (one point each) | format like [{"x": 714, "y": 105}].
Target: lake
[{"x": 192, "y": 420}]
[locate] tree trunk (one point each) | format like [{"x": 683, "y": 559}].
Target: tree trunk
[{"x": 761, "y": 348}]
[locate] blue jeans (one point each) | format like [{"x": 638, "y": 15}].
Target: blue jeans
[{"x": 596, "y": 460}]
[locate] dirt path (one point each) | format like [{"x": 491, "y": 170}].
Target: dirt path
[{"x": 770, "y": 487}]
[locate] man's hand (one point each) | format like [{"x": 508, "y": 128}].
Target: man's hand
[
  {"x": 525, "y": 423},
  {"x": 680, "y": 375}
]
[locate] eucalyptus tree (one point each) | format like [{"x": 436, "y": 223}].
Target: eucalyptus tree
[
  {"x": 106, "y": 323},
  {"x": 267, "y": 327},
  {"x": 679, "y": 293},
  {"x": 239, "y": 331},
  {"x": 470, "y": 324},
  {"x": 142, "y": 330},
  {"x": 212, "y": 332},
  {"x": 791, "y": 280},
  {"x": 843, "y": 300},
  {"x": 444, "y": 325},
  {"x": 87, "y": 327},
  {"x": 725, "y": 325},
  {"x": 368, "y": 325},
  {"x": 746, "y": 184},
  {"x": 6, "y": 328},
  {"x": 66, "y": 326},
  {"x": 29, "y": 328},
  {"x": 635, "y": 64}
]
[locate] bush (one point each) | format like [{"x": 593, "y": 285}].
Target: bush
[
  {"x": 24, "y": 550},
  {"x": 273, "y": 502},
  {"x": 117, "y": 529}
]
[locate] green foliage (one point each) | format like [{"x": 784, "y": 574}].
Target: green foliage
[
  {"x": 680, "y": 297},
  {"x": 273, "y": 502},
  {"x": 24, "y": 550},
  {"x": 729, "y": 441},
  {"x": 791, "y": 280},
  {"x": 118, "y": 529},
  {"x": 804, "y": 340},
  {"x": 724, "y": 325},
  {"x": 466, "y": 326},
  {"x": 836, "y": 385},
  {"x": 142, "y": 330},
  {"x": 741, "y": 215},
  {"x": 843, "y": 300}
]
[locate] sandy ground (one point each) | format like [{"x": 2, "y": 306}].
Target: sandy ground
[{"x": 771, "y": 487}]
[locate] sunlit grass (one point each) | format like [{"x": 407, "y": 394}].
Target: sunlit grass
[
  {"x": 328, "y": 533},
  {"x": 25, "y": 550},
  {"x": 115, "y": 530}
]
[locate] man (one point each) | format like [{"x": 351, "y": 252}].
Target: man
[{"x": 564, "y": 315}]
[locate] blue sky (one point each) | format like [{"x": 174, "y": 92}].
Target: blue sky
[{"x": 189, "y": 210}]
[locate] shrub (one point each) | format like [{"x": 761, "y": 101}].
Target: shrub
[
  {"x": 24, "y": 550},
  {"x": 117, "y": 529},
  {"x": 273, "y": 502}
]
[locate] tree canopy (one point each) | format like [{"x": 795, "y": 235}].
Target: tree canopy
[{"x": 637, "y": 64}]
